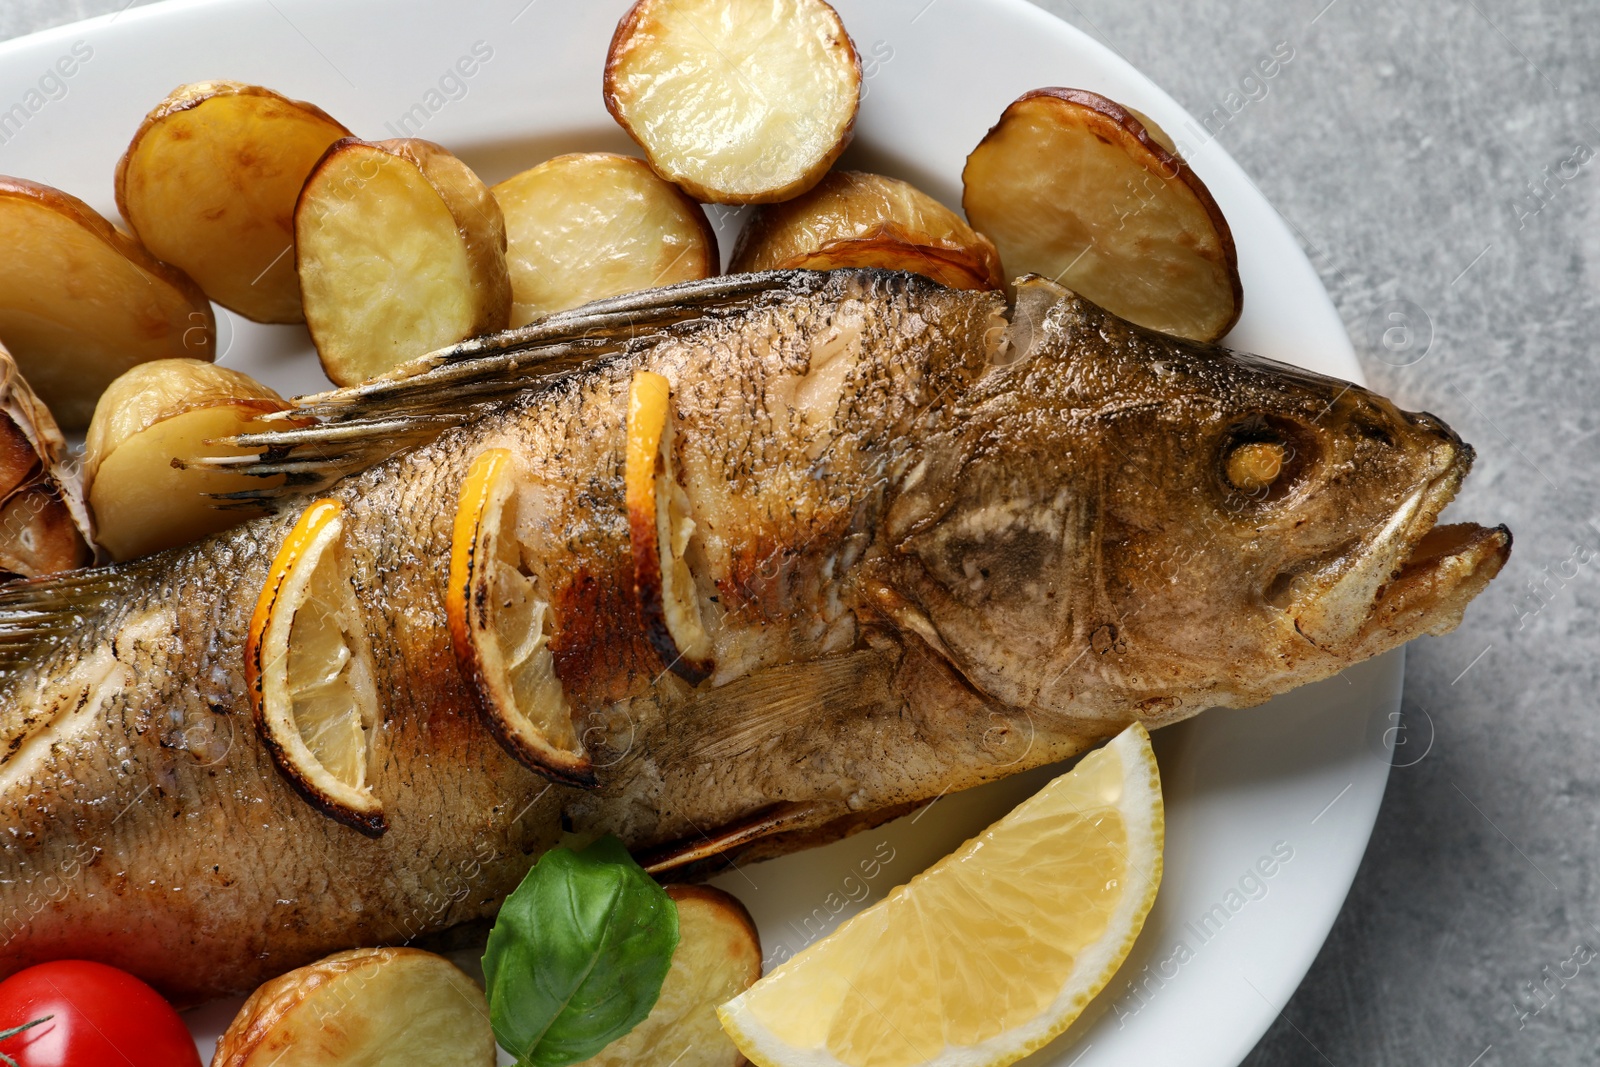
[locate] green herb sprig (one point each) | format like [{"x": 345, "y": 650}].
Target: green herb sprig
[{"x": 578, "y": 954}]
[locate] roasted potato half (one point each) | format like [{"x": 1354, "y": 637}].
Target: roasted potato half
[
  {"x": 368, "y": 1006},
  {"x": 583, "y": 226},
  {"x": 44, "y": 526},
  {"x": 81, "y": 301},
  {"x": 148, "y": 424},
  {"x": 209, "y": 183},
  {"x": 1078, "y": 188},
  {"x": 718, "y": 957},
  {"x": 854, "y": 219},
  {"x": 400, "y": 250},
  {"x": 738, "y": 101}
]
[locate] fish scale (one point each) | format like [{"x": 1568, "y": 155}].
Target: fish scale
[{"x": 902, "y": 561}]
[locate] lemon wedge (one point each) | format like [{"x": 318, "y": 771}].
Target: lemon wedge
[
  {"x": 989, "y": 953},
  {"x": 309, "y": 672}
]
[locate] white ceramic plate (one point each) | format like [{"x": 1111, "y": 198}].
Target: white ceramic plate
[{"x": 1291, "y": 787}]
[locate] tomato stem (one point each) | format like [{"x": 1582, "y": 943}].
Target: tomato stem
[{"x": 15, "y": 1030}]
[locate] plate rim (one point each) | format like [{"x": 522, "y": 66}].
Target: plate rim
[{"x": 1216, "y": 159}]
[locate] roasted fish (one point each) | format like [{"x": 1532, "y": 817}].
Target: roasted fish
[{"x": 913, "y": 540}]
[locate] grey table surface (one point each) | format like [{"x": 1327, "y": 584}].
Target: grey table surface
[{"x": 1436, "y": 158}]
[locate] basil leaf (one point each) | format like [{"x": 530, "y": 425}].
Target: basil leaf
[{"x": 577, "y": 955}]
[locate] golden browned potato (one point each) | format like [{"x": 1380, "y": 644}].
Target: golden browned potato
[
  {"x": 155, "y": 414},
  {"x": 853, "y": 219},
  {"x": 1077, "y": 188},
  {"x": 738, "y": 101},
  {"x": 81, "y": 301},
  {"x": 366, "y": 1007},
  {"x": 583, "y": 226},
  {"x": 400, "y": 250},
  {"x": 44, "y": 526},
  {"x": 209, "y": 182},
  {"x": 718, "y": 957}
]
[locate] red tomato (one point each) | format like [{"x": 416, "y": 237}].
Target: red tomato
[{"x": 102, "y": 1017}]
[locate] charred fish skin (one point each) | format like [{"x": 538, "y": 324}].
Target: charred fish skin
[
  {"x": 1075, "y": 544},
  {"x": 931, "y": 550},
  {"x": 1064, "y": 553},
  {"x": 148, "y": 827}
]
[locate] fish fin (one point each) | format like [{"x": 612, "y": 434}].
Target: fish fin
[
  {"x": 764, "y": 823},
  {"x": 771, "y": 832},
  {"x": 36, "y": 612},
  {"x": 759, "y": 709},
  {"x": 326, "y": 436}
]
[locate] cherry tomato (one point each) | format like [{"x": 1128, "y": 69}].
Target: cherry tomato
[{"x": 100, "y": 1017}]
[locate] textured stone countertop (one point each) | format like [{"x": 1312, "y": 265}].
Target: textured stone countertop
[{"x": 1427, "y": 152}]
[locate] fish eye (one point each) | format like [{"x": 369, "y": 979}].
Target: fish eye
[
  {"x": 1253, "y": 466},
  {"x": 1262, "y": 458}
]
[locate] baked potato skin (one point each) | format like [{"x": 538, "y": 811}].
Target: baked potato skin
[
  {"x": 81, "y": 301},
  {"x": 367, "y": 1005},
  {"x": 209, "y": 183},
  {"x": 1077, "y": 187},
  {"x": 44, "y": 523},
  {"x": 143, "y": 494},
  {"x": 857, "y": 219}
]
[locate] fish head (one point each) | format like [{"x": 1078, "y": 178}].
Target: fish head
[{"x": 1116, "y": 519}]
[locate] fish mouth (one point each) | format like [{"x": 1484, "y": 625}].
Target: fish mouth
[
  {"x": 1447, "y": 567},
  {"x": 1413, "y": 577}
]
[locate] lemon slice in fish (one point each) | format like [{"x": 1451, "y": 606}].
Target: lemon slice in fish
[
  {"x": 990, "y": 952},
  {"x": 309, "y": 672},
  {"x": 659, "y": 529},
  {"x": 501, "y": 625}
]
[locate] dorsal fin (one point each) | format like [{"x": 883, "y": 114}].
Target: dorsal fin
[
  {"x": 329, "y": 435},
  {"x": 36, "y": 612}
]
